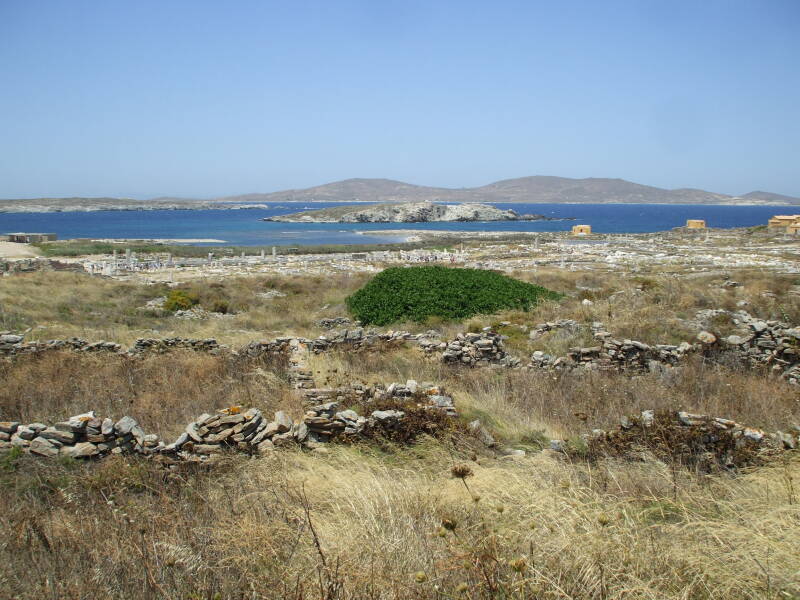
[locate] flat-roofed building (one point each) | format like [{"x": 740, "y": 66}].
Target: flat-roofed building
[
  {"x": 695, "y": 224},
  {"x": 581, "y": 229},
  {"x": 781, "y": 222},
  {"x": 31, "y": 238}
]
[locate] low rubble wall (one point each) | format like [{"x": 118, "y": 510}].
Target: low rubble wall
[
  {"x": 761, "y": 344},
  {"x": 232, "y": 429},
  {"x": 767, "y": 344},
  {"x": 701, "y": 441},
  {"x": 472, "y": 349}
]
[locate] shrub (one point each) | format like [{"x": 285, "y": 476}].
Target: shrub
[
  {"x": 418, "y": 293},
  {"x": 180, "y": 300}
]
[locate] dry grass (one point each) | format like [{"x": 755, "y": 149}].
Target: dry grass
[
  {"x": 356, "y": 524},
  {"x": 59, "y": 305},
  {"x": 381, "y": 521},
  {"x": 163, "y": 392},
  {"x": 518, "y": 404}
]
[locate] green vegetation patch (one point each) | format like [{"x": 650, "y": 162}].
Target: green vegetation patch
[
  {"x": 418, "y": 293},
  {"x": 180, "y": 300}
]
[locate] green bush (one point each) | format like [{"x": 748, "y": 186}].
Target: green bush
[
  {"x": 418, "y": 293},
  {"x": 180, "y": 300}
]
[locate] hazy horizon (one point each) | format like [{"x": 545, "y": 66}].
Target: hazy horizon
[{"x": 201, "y": 100}]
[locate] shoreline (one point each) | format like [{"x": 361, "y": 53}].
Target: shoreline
[
  {"x": 43, "y": 208},
  {"x": 156, "y": 240}
]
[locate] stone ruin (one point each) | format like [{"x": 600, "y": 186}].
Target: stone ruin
[
  {"x": 539, "y": 330},
  {"x": 359, "y": 394},
  {"x": 707, "y": 443},
  {"x": 610, "y": 354},
  {"x": 30, "y": 265},
  {"x": 764, "y": 344},
  {"x": 473, "y": 350},
  {"x": 231, "y": 429},
  {"x": 771, "y": 344},
  {"x": 332, "y": 323},
  {"x": 760, "y": 344}
]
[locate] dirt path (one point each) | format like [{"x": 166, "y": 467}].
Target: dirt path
[{"x": 14, "y": 250}]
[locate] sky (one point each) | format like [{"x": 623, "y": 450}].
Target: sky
[{"x": 206, "y": 98}]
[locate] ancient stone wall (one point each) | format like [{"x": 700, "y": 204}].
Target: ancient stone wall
[
  {"x": 761, "y": 344},
  {"x": 700, "y": 441},
  {"x": 231, "y": 429}
]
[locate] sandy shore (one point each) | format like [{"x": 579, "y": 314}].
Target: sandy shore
[{"x": 14, "y": 250}]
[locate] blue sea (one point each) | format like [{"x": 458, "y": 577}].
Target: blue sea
[{"x": 243, "y": 227}]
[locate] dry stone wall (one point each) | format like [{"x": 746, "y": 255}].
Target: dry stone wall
[
  {"x": 231, "y": 429},
  {"x": 771, "y": 344},
  {"x": 610, "y": 354},
  {"x": 483, "y": 349},
  {"x": 763, "y": 344},
  {"x": 473, "y": 349},
  {"x": 697, "y": 440}
]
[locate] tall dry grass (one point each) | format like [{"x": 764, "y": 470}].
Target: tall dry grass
[
  {"x": 163, "y": 392},
  {"x": 52, "y": 305},
  {"x": 355, "y": 523},
  {"x": 518, "y": 404},
  {"x": 377, "y": 521}
]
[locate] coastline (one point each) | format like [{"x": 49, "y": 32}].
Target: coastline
[
  {"x": 19, "y": 207},
  {"x": 159, "y": 240}
]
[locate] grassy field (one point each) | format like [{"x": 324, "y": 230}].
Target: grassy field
[
  {"x": 377, "y": 520},
  {"x": 653, "y": 309}
]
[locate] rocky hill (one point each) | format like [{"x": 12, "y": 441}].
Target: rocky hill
[
  {"x": 537, "y": 189},
  {"x": 408, "y": 212}
]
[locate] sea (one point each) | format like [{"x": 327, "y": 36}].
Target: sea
[{"x": 243, "y": 227}]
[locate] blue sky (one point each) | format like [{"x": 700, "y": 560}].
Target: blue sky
[{"x": 199, "y": 99}]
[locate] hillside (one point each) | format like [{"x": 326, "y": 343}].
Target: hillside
[
  {"x": 769, "y": 198},
  {"x": 536, "y": 189}
]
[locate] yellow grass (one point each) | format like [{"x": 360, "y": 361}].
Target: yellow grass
[{"x": 377, "y": 521}]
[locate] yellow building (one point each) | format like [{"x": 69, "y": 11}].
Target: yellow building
[
  {"x": 794, "y": 228},
  {"x": 695, "y": 224},
  {"x": 782, "y": 222},
  {"x": 581, "y": 229}
]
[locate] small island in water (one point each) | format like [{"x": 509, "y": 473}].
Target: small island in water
[{"x": 406, "y": 212}]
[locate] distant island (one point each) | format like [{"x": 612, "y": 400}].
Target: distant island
[
  {"x": 525, "y": 190},
  {"x": 406, "y": 212},
  {"x": 53, "y": 205}
]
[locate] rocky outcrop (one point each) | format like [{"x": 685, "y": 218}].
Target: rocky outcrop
[{"x": 411, "y": 212}]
